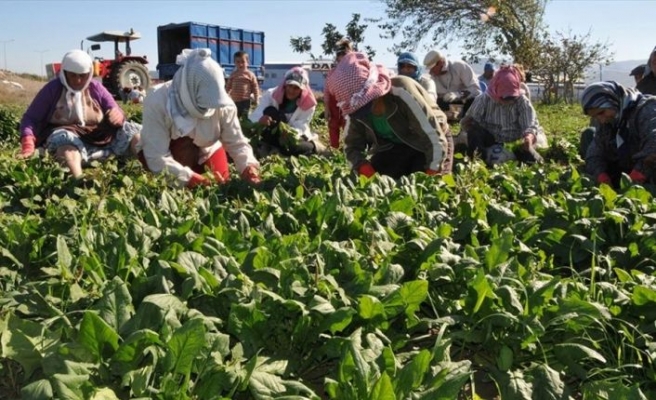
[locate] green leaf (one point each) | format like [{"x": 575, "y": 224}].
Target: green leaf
[
  {"x": 383, "y": 389},
  {"x": 483, "y": 290},
  {"x": 576, "y": 352},
  {"x": 70, "y": 387},
  {"x": 64, "y": 258},
  {"x": 37, "y": 390},
  {"x": 643, "y": 295},
  {"x": 115, "y": 305},
  {"x": 499, "y": 251},
  {"x": 412, "y": 374},
  {"x": 96, "y": 335},
  {"x": 103, "y": 394},
  {"x": 369, "y": 307},
  {"x": 185, "y": 345},
  {"x": 551, "y": 386}
]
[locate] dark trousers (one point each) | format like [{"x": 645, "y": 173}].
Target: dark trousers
[
  {"x": 399, "y": 160},
  {"x": 271, "y": 136},
  {"x": 243, "y": 107},
  {"x": 444, "y": 106}
]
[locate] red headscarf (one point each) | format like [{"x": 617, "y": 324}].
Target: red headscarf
[
  {"x": 505, "y": 83},
  {"x": 356, "y": 81}
]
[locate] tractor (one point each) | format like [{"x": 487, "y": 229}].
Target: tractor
[{"x": 125, "y": 70}]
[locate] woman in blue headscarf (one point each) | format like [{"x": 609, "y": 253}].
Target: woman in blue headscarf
[
  {"x": 624, "y": 139},
  {"x": 408, "y": 65}
]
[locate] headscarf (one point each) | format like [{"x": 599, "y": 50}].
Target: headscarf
[
  {"x": 609, "y": 94},
  {"x": 296, "y": 76},
  {"x": 197, "y": 90},
  {"x": 506, "y": 82},
  {"x": 356, "y": 81},
  {"x": 78, "y": 62},
  {"x": 411, "y": 59}
]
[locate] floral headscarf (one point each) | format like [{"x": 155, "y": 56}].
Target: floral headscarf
[{"x": 299, "y": 77}]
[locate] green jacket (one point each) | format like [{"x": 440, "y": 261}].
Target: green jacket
[{"x": 415, "y": 119}]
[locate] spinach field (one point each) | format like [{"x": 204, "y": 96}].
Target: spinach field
[{"x": 518, "y": 282}]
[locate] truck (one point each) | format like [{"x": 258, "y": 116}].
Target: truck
[
  {"x": 124, "y": 70},
  {"x": 221, "y": 40}
]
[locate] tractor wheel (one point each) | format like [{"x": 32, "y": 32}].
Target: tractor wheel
[{"x": 130, "y": 74}]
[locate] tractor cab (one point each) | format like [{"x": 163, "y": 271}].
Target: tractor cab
[
  {"x": 117, "y": 37},
  {"x": 125, "y": 70}
]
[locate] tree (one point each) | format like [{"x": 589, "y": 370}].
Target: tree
[
  {"x": 564, "y": 58},
  {"x": 483, "y": 27},
  {"x": 354, "y": 31}
]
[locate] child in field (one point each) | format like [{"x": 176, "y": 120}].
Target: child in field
[{"x": 242, "y": 84}]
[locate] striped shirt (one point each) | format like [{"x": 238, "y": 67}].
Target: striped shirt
[
  {"x": 507, "y": 122},
  {"x": 241, "y": 84}
]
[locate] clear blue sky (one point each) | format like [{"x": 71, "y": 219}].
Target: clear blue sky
[{"x": 47, "y": 29}]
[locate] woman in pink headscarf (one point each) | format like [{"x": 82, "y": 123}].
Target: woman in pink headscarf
[
  {"x": 395, "y": 120},
  {"x": 292, "y": 103},
  {"x": 502, "y": 115}
]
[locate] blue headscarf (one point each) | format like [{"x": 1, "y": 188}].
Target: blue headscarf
[
  {"x": 609, "y": 94},
  {"x": 409, "y": 58}
]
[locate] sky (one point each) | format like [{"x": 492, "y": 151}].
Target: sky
[{"x": 34, "y": 33}]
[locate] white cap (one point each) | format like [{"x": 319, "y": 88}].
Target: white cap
[
  {"x": 77, "y": 61},
  {"x": 432, "y": 58}
]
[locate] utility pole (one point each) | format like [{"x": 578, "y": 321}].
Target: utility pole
[
  {"x": 42, "y": 71},
  {"x": 4, "y": 45}
]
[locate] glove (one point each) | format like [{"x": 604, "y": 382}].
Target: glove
[
  {"x": 603, "y": 178},
  {"x": 432, "y": 172},
  {"x": 637, "y": 176},
  {"x": 251, "y": 175},
  {"x": 28, "y": 144},
  {"x": 367, "y": 170},
  {"x": 198, "y": 180}
]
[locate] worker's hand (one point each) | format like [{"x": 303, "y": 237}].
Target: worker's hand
[
  {"x": 251, "y": 174},
  {"x": 450, "y": 97},
  {"x": 198, "y": 180},
  {"x": 28, "y": 145},
  {"x": 528, "y": 141},
  {"x": 366, "y": 169},
  {"x": 115, "y": 117},
  {"x": 637, "y": 176},
  {"x": 265, "y": 120},
  {"x": 603, "y": 178}
]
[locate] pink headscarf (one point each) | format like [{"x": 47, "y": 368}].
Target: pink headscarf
[
  {"x": 356, "y": 81},
  {"x": 505, "y": 83},
  {"x": 296, "y": 76}
]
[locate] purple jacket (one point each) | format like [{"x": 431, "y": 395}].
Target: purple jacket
[{"x": 35, "y": 120}]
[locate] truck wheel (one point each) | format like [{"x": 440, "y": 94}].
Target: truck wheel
[{"x": 130, "y": 74}]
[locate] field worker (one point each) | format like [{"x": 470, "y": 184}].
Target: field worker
[
  {"x": 624, "y": 140},
  {"x": 487, "y": 75},
  {"x": 137, "y": 95},
  {"x": 647, "y": 84},
  {"x": 394, "y": 120},
  {"x": 455, "y": 81},
  {"x": 190, "y": 122},
  {"x": 242, "y": 85},
  {"x": 408, "y": 65},
  {"x": 284, "y": 114},
  {"x": 503, "y": 115},
  {"x": 334, "y": 117},
  {"x": 75, "y": 118},
  {"x": 638, "y": 72}
]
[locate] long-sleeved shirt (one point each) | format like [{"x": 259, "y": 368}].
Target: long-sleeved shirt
[
  {"x": 639, "y": 132},
  {"x": 241, "y": 84},
  {"x": 299, "y": 120},
  {"x": 459, "y": 77},
  {"x": 159, "y": 130},
  {"x": 36, "y": 119},
  {"x": 507, "y": 122}
]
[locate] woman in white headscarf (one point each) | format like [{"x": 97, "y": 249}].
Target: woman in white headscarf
[
  {"x": 190, "y": 122},
  {"x": 76, "y": 118}
]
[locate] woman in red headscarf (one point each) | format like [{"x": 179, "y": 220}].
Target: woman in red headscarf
[{"x": 503, "y": 114}]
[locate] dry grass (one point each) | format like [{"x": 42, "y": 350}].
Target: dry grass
[{"x": 10, "y": 94}]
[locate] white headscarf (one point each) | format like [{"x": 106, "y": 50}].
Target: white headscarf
[
  {"x": 78, "y": 62},
  {"x": 198, "y": 89}
]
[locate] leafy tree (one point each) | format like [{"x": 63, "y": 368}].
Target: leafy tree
[
  {"x": 354, "y": 31},
  {"x": 564, "y": 58},
  {"x": 484, "y": 27}
]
